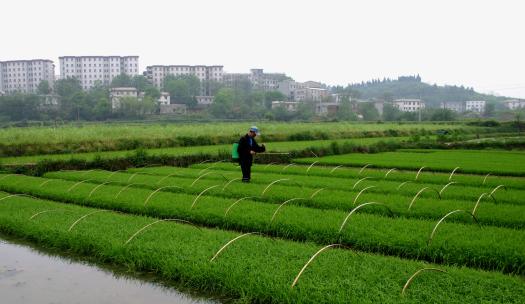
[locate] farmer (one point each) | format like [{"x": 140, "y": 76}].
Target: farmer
[{"x": 246, "y": 149}]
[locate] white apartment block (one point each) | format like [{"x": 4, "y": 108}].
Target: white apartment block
[
  {"x": 90, "y": 70},
  {"x": 24, "y": 76},
  {"x": 257, "y": 78},
  {"x": 316, "y": 94},
  {"x": 157, "y": 73},
  {"x": 409, "y": 105},
  {"x": 475, "y": 106},
  {"x": 456, "y": 106},
  {"x": 514, "y": 104}
]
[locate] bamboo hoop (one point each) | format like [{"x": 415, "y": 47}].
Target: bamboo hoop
[
  {"x": 83, "y": 217},
  {"x": 287, "y": 166},
  {"x": 78, "y": 183},
  {"x": 230, "y": 242},
  {"x": 167, "y": 176},
  {"x": 98, "y": 186},
  {"x": 236, "y": 202},
  {"x": 229, "y": 182},
  {"x": 419, "y": 172},
  {"x": 272, "y": 183},
  {"x": 335, "y": 168},
  {"x": 421, "y": 191},
  {"x": 316, "y": 192},
  {"x": 452, "y": 173},
  {"x": 310, "y": 167},
  {"x": 360, "y": 206},
  {"x": 445, "y": 187},
  {"x": 155, "y": 222},
  {"x": 267, "y": 165},
  {"x": 17, "y": 195},
  {"x": 46, "y": 211},
  {"x": 389, "y": 171},
  {"x": 281, "y": 205},
  {"x": 359, "y": 181},
  {"x": 157, "y": 190},
  {"x": 198, "y": 196},
  {"x": 416, "y": 274},
  {"x": 126, "y": 187},
  {"x": 310, "y": 261},
  {"x": 479, "y": 200},
  {"x": 494, "y": 191},
  {"x": 45, "y": 182},
  {"x": 402, "y": 184},
  {"x": 444, "y": 217},
  {"x": 364, "y": 167},
  {"x": 359, "y": 194},
  {"x": 485, "y": 179}
]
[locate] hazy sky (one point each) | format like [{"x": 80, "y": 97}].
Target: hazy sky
[{"x": 474, "y": 43}]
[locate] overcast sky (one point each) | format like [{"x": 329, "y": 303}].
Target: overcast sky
[{"x": 464, "y": 42}]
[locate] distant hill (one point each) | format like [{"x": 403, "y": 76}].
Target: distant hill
[{"x": 413, "y": 87}]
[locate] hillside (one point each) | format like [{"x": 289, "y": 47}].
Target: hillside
[{"x": 413, "y": 87}]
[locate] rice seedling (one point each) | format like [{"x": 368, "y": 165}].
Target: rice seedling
[
  {"x": 496, "y": 189},
  {"x": 363, "y": 168},
  {"x": 45, "y": 182},
  {"x": 156, "y": 191},
  {"x": 236, "y": 202},
  {"x": 359, "y": 207},
  {"x": 126, "y": 187},
  {"x": 419, "y": 172},
  {"x": 360, "y": 180},
  {"x": 206, "y": 174},
  {"x": 479, "y": 200},
  {"x": 113, "y": 173},
  {"x": 200, "y": 194},
  {"x": 444, "y": 217},
  {"x": 281, "y": 205},
  {"x": 156, "y": 222},
  {"x": 310, "y": 261},
  {"x": 231, "y": 242},
  {"x": 85, "y": 216},
  {"x": 46, "y": 211},
  {"x": 421, "y": 191},
  {"x": 269, "y": 164},
  {"x": 335, "y": 168},
  {"x": 360, "y": 192},
  {"x": 98, "y": 186},
  {"x": 389, "y": 171},
  {"x": 316, "y": 192},
  {"x": 167, "y": 176},
  {"x": 416, "y": 274},
  {"x": 452, "y": 173},
  {"x": 445, "y": 187},
  {"x": 273, "y": 183},
  {"x": 16, "y": 195},
  {"x": 288, "y": 166}
]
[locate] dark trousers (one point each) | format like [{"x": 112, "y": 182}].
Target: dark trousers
[{"x": 246, "y": 168}]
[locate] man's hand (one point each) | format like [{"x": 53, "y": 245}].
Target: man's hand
[{"x": 252, "y": 152}]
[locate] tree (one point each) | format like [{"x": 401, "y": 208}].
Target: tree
[
  {"x": 183, "y": 89},
  {"x": 490, "y": 109},
  {"x": 67, "y": 87},
  {"x": 122, "y": 80},
  {"x": 223, "y": 106},
  {"x": 345, "y": 110},
  {"x": 44, "y": 88},
  {"x": 391, "y": 113},
  {"x": 443, "y": 115},
  {"x": 368, "y": 110}
]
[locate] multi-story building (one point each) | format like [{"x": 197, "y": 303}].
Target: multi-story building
[
  {"x": 456, "y": 106},
  {"x": 257, "y": 78},
  {"x": 475, "y": 106},
  {"x": 116, "y": 94},
  {"x": 90, "y": 70},
  {"x": 157, "y": 73},
  {"x": 316, "y": 94},
  {"x": 409, "y": 105},
  {"x": 514, "y": 104},
  {"x": 24, "y": 76}
]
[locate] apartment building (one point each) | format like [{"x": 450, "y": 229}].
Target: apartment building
[
  {"x": 456, "y": 106},
  {"x": 24, "y": 76},
  {"x": 514, "y": 104},
  {"x": 90, "y": 70},
  {"x": 409, "y": 105},
  {"x": 116, "y": 94},
  {"x": 258, "y": 79},
  {"x": 475, "y": 106},
  {"x": 205, "y": 74}
]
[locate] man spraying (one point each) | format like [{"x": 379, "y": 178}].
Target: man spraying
[{"x": 246, "y": 149}]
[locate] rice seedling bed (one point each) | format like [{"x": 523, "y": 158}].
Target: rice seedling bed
[
  {"x": 462, "y": 244},
  {"x": 412, "y": 203},
  {"x": 495, "y": 162},
  {"x": 254, "y": 268}
]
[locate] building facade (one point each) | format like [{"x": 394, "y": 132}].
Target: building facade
[
  {"x": 90, "y": 70},
  {"x": 24, "y": 76},
  {"x": 456, "y": 106},
  {"x": 257, "y": 78},
  {"x": 477, "y": 106},
  {"x": 409, "y": 105},
  {"x": 116, "y": 94},
  {"x": 206, "y": 74},
  {"x": 514, "y": 104}
]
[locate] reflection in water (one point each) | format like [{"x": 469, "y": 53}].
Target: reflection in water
[{"x": 28, "y": 277}]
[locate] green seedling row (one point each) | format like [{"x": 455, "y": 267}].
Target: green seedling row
[
  {"x": 462, "y": 244},
  {"x": 252, "y": 269},
  {"x": 470, "y": 161},
  {"x": 425, "y": 206}
]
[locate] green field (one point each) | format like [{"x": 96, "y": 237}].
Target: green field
[
  {"x": 349, "y": 228},
  {"x": 471, "y": 161}
]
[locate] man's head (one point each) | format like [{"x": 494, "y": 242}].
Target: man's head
[{"x": 254, "y": 131}]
